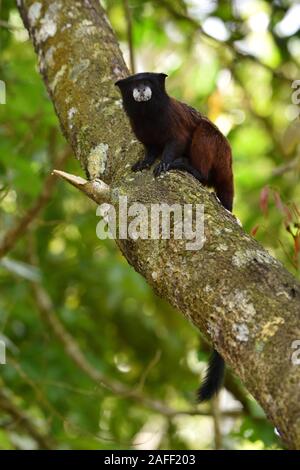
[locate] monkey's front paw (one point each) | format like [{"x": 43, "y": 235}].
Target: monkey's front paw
[
  {"x": 140, "y": 165},
  {"x": 162, "y": 167}
]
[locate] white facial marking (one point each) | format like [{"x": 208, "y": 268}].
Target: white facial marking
[{"x": 142, "y": 93}]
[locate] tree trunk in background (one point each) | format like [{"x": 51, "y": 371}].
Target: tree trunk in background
[{"x": 231, "y": 289}]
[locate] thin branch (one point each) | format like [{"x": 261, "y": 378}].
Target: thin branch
[
  {"x": 227, "y": 43},
  {"x": 238, "y": 391},
  {"x": 73, "y": 350},
  {"x": 215, "y": 411},
  {"x": 5, "y": 24},
  {"x": 286, "y": 167},
  {"x": 154, "y": 361},
  {"x": 18, "y": 415},
  {"x": 13, "y": 235},
  {"x": 247, "y": 101},
  {"x": 96, "y": 189},
  {"x": 65, "y": 422},
  {"x": 128, "y": 19}
]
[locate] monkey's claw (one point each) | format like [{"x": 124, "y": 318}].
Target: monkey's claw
[
  {"x": 162, "y": 167},
  {"x": 140, "y": 165}
]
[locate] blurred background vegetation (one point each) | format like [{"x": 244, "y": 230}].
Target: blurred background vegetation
[{"x": 94, "y": 359}]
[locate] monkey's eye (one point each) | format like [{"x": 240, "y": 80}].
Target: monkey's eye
[{"x": 142, "y": 93}]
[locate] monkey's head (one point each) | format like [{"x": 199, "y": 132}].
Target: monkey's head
[{"x": 140, "y": 89}]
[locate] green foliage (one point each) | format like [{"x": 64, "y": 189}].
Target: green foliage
[{"x": 123, "y": 329}]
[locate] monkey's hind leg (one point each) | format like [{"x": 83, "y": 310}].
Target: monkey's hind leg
[
  {"x": 183, "y": 164},
  {"x": 151, "y": 154}
]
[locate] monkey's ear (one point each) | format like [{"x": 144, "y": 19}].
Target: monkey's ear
[
  {"x": 163, "y": 76},
  {"x": 121, "y": 83}
]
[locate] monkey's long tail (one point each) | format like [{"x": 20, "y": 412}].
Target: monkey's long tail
[{"x": 214, "y": 378}]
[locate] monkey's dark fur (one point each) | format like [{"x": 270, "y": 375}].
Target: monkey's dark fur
[
  {"x": 183, "y": 139},
  {"x": 180, "y": 135}
]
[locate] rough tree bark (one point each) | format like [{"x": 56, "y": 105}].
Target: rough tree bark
[{"x": 231, "y": 289}]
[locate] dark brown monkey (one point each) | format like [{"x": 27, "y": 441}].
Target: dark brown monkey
[
  {"x": 184, "y": 139},
  {"x": 176, "y": 132}
]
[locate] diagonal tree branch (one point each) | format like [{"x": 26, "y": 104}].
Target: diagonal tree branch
[{"x": 231, "y": 289}]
